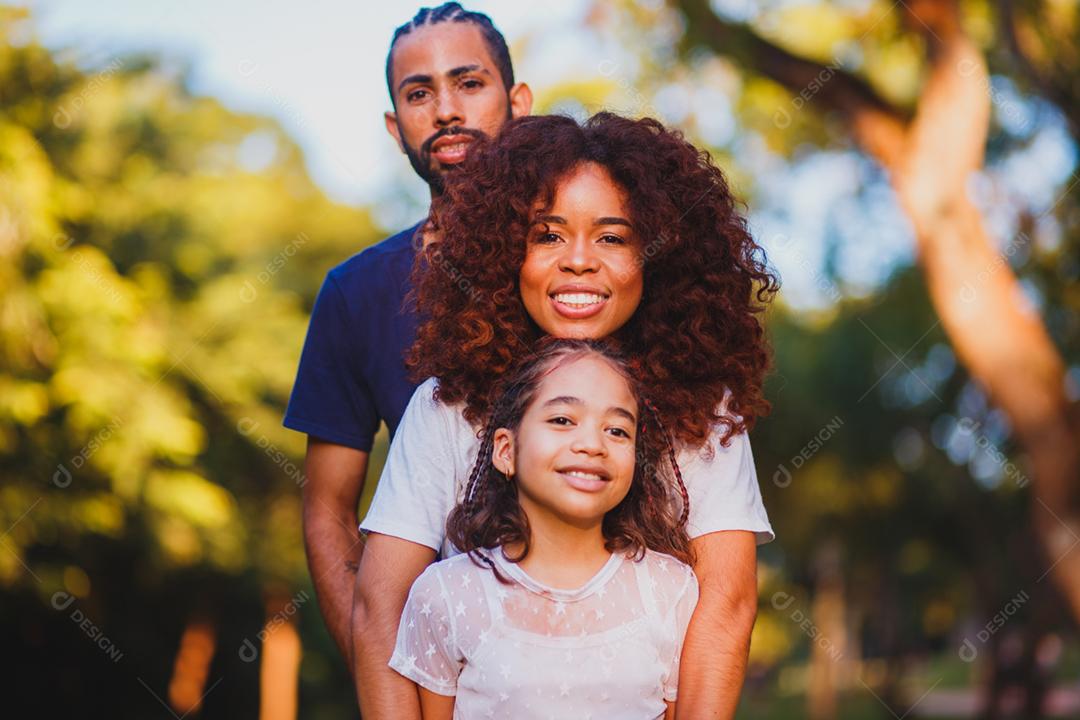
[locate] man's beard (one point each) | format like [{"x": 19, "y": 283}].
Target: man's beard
[{"x": 420, "y": 158}]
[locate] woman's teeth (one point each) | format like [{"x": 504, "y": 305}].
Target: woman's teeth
[
  {"x": 583, "y": 475},
  {"x": 580, "y": 299}
]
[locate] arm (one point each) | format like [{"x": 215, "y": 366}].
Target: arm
[
  {"x": 434, "y": 706},
  {"x": 388, "y": 568},
  {"x": 332, "y": 405},
  {"x": 717, "y": 641},
  {"x": 334, "y": 479}
]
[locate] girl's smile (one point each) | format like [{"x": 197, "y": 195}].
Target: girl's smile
[{"x": 573, "y": 454}]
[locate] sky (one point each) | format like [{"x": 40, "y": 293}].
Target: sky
[{"x": 318, "y": 68}]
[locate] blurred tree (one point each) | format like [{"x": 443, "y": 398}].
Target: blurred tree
[
  {"x": 906, "y": 86},
  {"x": 159, "y": 255},
  {"x": 930, "y": 156}
]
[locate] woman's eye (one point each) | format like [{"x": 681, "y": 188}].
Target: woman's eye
[
  {"x": 613, "y": 239},
  {"x": 547, "y": 238}
]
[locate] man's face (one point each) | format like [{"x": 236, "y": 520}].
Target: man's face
[{"x": 447, "y": 92}]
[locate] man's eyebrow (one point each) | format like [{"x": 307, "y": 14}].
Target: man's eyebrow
[
  {"x": 454, "y": 73},
  {"x": 571, "y": 400},
  {"x": 463, "y": 69},
  {"x": 415, "y": 78}
]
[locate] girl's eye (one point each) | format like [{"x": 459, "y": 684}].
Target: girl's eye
[
  {"x": 560, "y": 420},
  {"x": 621, "y": 433}
]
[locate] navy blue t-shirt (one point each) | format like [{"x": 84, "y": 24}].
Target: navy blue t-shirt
[{"x": 352, "y": 370}]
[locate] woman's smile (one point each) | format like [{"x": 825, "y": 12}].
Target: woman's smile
[{"x": 577, "y": 301}]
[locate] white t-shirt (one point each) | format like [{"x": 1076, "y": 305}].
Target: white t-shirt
[
  {"x": 435, "y": 449},
  {"x": 608, "y": 649}
]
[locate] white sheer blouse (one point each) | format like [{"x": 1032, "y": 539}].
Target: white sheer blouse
[{"x": 608, "y": 649}]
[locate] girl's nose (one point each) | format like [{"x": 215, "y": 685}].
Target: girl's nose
[{"x": 588, "y": 439}]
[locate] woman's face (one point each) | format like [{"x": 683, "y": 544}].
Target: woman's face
[
  {"x": 582, "y": 275},
  {"x": 573, "y": 453}
]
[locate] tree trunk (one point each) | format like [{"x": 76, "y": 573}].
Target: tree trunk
[
  {"x": 827, "y": 649},
  {"x": 994, "y": 331}
]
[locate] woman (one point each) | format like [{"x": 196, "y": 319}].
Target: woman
[{"x": 618, "y": 229}]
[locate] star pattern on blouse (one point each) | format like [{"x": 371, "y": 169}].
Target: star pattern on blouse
[{"x": 563, "y": 619}]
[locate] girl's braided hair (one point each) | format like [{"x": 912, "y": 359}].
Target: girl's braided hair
[{"x": 651, "y": 515}]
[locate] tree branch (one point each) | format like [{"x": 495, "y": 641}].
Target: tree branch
[
  {"x": 1056, "y": 92},
  {"x": 877, "y": 124}
]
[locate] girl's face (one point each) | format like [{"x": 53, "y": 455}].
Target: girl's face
[
  {"x": 582, "y": 276},
  {"x": 573, "y": 456}
]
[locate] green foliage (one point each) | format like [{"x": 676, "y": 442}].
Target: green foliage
[{"x": 159, "y": 255}]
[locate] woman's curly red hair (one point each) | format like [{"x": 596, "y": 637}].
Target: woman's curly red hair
[{"x": 697, "y": 333}]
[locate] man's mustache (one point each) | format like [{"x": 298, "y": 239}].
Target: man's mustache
[{"x": 425, "y": 148}]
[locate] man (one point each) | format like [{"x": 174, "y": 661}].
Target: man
[
  {"x": 450, "y": 79},
  {"x": 450, "y": 82}
]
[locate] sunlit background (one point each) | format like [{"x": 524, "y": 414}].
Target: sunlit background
[{"x": 177, "y": 178}]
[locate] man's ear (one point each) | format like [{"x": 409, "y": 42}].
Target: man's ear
[
  {"x": 390, "y": 118},
  {"x": 521, "y": 100},
  {"x": 502, "y": 451}
]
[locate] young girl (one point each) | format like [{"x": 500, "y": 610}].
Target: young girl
[{"x": 573, "y": 596}]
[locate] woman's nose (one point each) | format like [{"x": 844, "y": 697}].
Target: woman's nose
[{"x": 579, "y": 256}]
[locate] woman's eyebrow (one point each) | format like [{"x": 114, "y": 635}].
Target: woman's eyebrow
[
  {"x": 606, "y": 220},
  {"x": 612, "y": 221}
]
